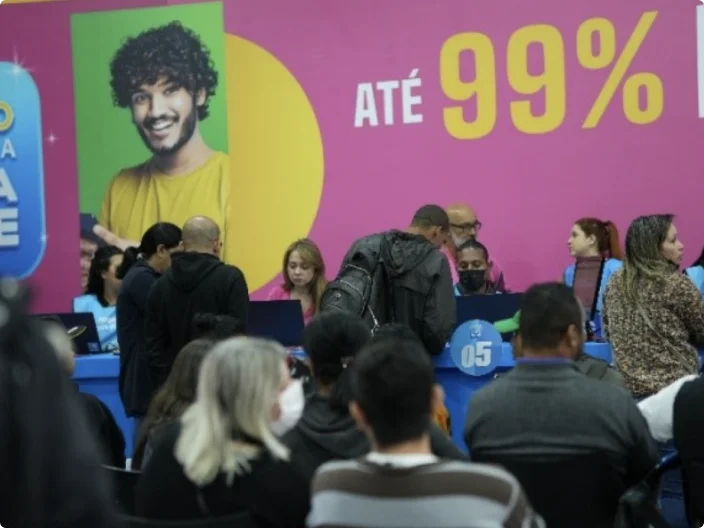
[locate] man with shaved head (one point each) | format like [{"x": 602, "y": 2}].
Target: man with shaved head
[
  {"x": 464, "y": 226},
  {"x": 197, "y": 283}
]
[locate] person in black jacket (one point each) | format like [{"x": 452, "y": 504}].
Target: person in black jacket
[
  {"x": 326, "y": 431},
  {"x": 688, "y": 429},
  {"x": 140, "y": 269},
  {"x": 51, "y": 474},
  {"x": 419, "y": 275},
  {"x": 198, "y": 282}
]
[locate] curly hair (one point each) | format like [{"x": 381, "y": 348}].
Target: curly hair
[{"x": 172, "y": 51}]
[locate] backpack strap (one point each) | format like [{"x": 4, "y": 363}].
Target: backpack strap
[
  {"x": 595, "y": 302},
  {"x": 589, "y": 324}
]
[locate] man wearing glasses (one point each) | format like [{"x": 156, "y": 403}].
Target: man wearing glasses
[{"x": 463, "y": 226}]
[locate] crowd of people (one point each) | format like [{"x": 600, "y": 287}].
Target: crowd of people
[{"x": 223, "y": 427}]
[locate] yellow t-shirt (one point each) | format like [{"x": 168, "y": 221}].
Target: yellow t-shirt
[{"x": 139, "y": 197}]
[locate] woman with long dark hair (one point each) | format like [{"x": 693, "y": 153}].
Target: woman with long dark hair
[
  {"x": 100, "y": 297},
  {"x": 141, "y": 267},
  {"x": 173, "y": 398},
  {"x": 594, "y": 245},
  {"x": 696, "y": 273},
  {"x": 326, "y": 431},
  {"x": 653, "y": 314}
]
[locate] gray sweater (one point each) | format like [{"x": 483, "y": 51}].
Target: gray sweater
[{"x": 549, "y": 408}]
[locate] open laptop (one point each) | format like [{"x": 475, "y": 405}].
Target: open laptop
[
  {"x": 490, "y": 308},
  {"x": 281, "y": 321},
  {"x": 81, "y": 328}
]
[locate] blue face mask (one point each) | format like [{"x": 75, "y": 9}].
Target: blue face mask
[{"x": 472, "y": 280}]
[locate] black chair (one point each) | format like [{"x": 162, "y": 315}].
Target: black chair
[
  {"x": 580, "y": 491},
  {"x": 638, "y": 505},
  {"x": 124, "y": 484},
  {"x": 693, "y": 488},
  {"x": 241, "y": 520}
]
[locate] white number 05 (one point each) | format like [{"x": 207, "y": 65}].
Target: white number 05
[{"x": 477, "y": 355}]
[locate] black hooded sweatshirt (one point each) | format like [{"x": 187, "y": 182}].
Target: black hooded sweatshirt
[
  {"x": 324, "y": 434},
  {"x": 195, "y": 283},
  {"x": 421, "y": 282}
]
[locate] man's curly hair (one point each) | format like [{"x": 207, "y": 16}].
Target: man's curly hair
[{"x": 171, "y": 51}]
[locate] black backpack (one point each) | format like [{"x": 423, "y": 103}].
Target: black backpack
[{"x": 362, "y": 287}]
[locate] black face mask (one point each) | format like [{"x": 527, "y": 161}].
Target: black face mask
[{"x": 472, "y": 280}]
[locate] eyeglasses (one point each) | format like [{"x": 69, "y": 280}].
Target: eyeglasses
[{"x": 472, "y": 226}]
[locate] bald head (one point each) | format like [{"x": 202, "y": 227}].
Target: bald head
[
  {"x": 200, "y": 234},
  {"x": 463, "y": 225},
  {"x": 461, "y": 213}
]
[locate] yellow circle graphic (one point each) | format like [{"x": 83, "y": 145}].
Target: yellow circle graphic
[{"x": 276, "y": 156}]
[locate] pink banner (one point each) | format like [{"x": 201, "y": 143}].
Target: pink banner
[{"x": 536, "y": 115}]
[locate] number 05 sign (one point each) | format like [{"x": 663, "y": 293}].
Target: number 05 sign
[{"x": 476, "y": 348}]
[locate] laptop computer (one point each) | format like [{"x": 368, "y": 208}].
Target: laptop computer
[
  {"x": 81, "y": 328},
  {"x": 281, "y": 321},
  {"x": 490, "y": 308}
]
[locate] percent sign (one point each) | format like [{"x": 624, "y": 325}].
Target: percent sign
[{"x": 654, "y": 96}]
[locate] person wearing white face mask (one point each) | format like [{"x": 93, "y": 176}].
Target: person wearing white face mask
[
  {"x": 224, "y": 457},
  {"x": 290, "y": 407}
]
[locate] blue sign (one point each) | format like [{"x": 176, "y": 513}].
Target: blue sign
[
  {"x": 475, "y": 348},
  {"x": 22, "y": 215}
]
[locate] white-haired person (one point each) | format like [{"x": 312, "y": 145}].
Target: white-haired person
[{"x": 224, "y": 456}]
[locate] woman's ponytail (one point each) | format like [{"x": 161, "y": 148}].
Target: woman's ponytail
[
  {"x": 129, "y": 258},
  {"x": 614, "y": 243}
]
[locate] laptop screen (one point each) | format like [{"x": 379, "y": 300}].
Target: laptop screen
[{"x": 281, "y": 321}]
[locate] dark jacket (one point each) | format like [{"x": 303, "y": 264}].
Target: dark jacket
[
  {"x": 102, "y": 424},
  {"x": 51, "y": 474},
  {"x": 135, "y": 380},
  {"x": 546, "y": 409},
  {"x": 421, "y": 284},
  {"x": 274, "y": 493},
  {"x": 324, "y": 434},
  {"x": 196, "y": 283},
  {"x": 688, "y": 431}
]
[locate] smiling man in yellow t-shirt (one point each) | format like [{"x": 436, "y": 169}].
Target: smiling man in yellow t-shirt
[{"x": 165, "y": 77}]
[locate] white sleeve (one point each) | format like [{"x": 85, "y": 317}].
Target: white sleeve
[{"x": 658, "y": 409}]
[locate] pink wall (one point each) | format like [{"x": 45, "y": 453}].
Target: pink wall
[{"x": 527, "y": 189}]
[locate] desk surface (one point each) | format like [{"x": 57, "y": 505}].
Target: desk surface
[{"x": 102, "y": 366}]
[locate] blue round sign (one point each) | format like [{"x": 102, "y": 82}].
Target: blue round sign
[{"x": 475, "y": 348}]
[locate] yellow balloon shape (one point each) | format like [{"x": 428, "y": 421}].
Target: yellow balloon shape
[{"x": 276, "y": 155}]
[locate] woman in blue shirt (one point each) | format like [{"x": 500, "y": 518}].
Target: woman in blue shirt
[
  {"x": 696, "y": 273},
  {"x": 474, "y": 270},
  {"x": 101, "y": 295},
  {"x": 595, "y": 247}
]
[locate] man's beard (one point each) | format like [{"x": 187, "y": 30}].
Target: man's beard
[
  {"x": 187, "y": 131},
  {"x": 459, "y": 241}
]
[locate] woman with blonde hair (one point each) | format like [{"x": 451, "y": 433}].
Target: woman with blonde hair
[
  {"x": 223, "y": 458},
  {"x": 653, "y": 314},
  {"x": 304, "y": 277}
]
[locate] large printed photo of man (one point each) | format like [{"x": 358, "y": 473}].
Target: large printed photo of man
[{"x": 163, "y": 81}]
